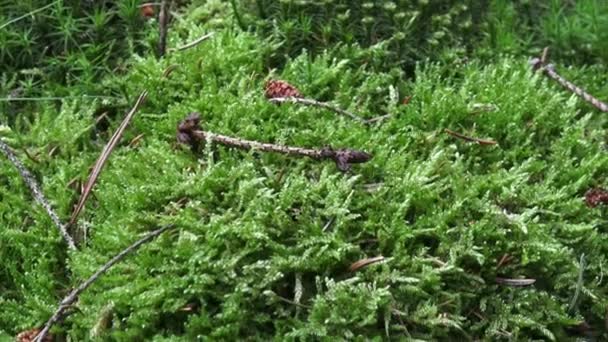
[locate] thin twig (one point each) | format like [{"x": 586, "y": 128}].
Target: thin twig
[
  {"x": 163, "y": 23},
  {"x": 75, "y": 293},
  {"x": 471, "y": 139},
  {"x": 549, "y": 70},
  {"x": 28, "y": 178},
  {"x": 193, "y": 43},
  {"x": 54, "y": 98},
  {"x": 101, "y": 161},
  {"x": 188, "y": 132},
  {"x": 315, "y": 103},
  {"x": 27, "y": 15}
]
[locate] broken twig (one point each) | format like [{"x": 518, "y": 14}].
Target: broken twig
[
  {"x": 193, "y": 43},
  {"x": 105, "y": 153},
  {"x": 73, "y": 296},
  {"x": 471, "y": 139},
  {"x": 188, "y": 132},
  {"x": 549, "y": 70},
  {"x": 163, "y": 23},
  {"x": 28, "y": 178}
]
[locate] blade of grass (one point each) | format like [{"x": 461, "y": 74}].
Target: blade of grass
[{"x": 101, "y": 161}]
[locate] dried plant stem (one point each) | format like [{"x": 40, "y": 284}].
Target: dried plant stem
[
  {"x": 163, "y": 23},
  {"x": 315, "y": 103},
  {"x": 549, "y": 70},
  {"x": 73, "y": 296},
  {"x": 471, "y": 139},
  {"x": 188, "y": 132},
  {"x": 28, "y": 178},
  {"x": 105, "y": 153},
  {"x": 193, "y": 43}
]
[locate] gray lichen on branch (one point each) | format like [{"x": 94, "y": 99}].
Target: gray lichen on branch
[{"x": 190, "y": 133}]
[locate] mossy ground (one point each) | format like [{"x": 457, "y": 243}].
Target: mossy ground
[{"x": 251, "y": 230}]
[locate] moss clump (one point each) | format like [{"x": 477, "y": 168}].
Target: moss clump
[{"x": 263, "y": 242}]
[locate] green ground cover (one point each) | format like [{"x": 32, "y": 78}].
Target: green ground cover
[{"x": 262, "y": 242}]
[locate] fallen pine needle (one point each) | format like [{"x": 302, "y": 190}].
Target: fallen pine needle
[
  {"x": 471, "y": 139},
  {"x": 105, "y": 153},
  {"x": 29, "y": 179},
  {"x": 73, "y": 296},
  {"x": 365, "y": 262},
  {"x": 315, "y": 103},
  {"x": 515, "y": 282},
  {"x": 193, "y": 43}
]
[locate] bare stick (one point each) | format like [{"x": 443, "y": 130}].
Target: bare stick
[
  {"x": 549, "y": 70},
  {"x": 188, "y": 132},
  {"x": 73, "y": 296},
  {"x": 471, "y": 139},
  {"x": 163, "y": 22},
  {"x": 315, "y": 103},
  {"x": 193, "y": 43},
  {"x": 101, "y": 161},
  {"x": 37, "y": 193}
]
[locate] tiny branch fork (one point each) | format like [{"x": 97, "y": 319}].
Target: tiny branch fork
[
  {"x": 315, "y": 103},
  {"x": 188, "y": 132},
  {"x": 471, "y": 139},
  {"x": 28, "y": 178},
  {"x": 105, "y": 153},
  {"x": 73, "y": 296},
  {"x": 549, "y": 70}
]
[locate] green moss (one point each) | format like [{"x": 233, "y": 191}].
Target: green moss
[{"x": 252, "y": 235}]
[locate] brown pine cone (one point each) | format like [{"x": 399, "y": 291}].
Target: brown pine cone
[
  {"x": 596, "y": 196},
  {"x": 278, "y": 88},
  {"x": 29, "y": 335}
]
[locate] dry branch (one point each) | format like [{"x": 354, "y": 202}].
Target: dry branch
[
  {"x": 549, "y": 70},
  {"x": 163, "y": 23},
  {"x": 73, "y": 296},
  {"x": 188, "y": 132},
  {"x": 101, "y": 161},
  {"x": 28, "y": 178}
]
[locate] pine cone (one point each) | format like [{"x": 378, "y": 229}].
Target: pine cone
[
  {"x": 278, "y": 88},
  {"x": 597, "y": 196},
  {"x": 29, "y": 335}
]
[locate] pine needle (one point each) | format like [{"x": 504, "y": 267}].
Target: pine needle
[{"x": 101, "y": 161}]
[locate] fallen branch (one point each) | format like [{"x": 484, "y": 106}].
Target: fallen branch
[
  {"x": 193, "y": 43},
  {"x": 28, "y": 178},
  {"x": 101, "y": 161},
  {"x": 471, "y": 139},
  {"x": 75, "y": 293},
  {"x": 549, "y": 70},
  {"x": 188, "y": 132}
]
